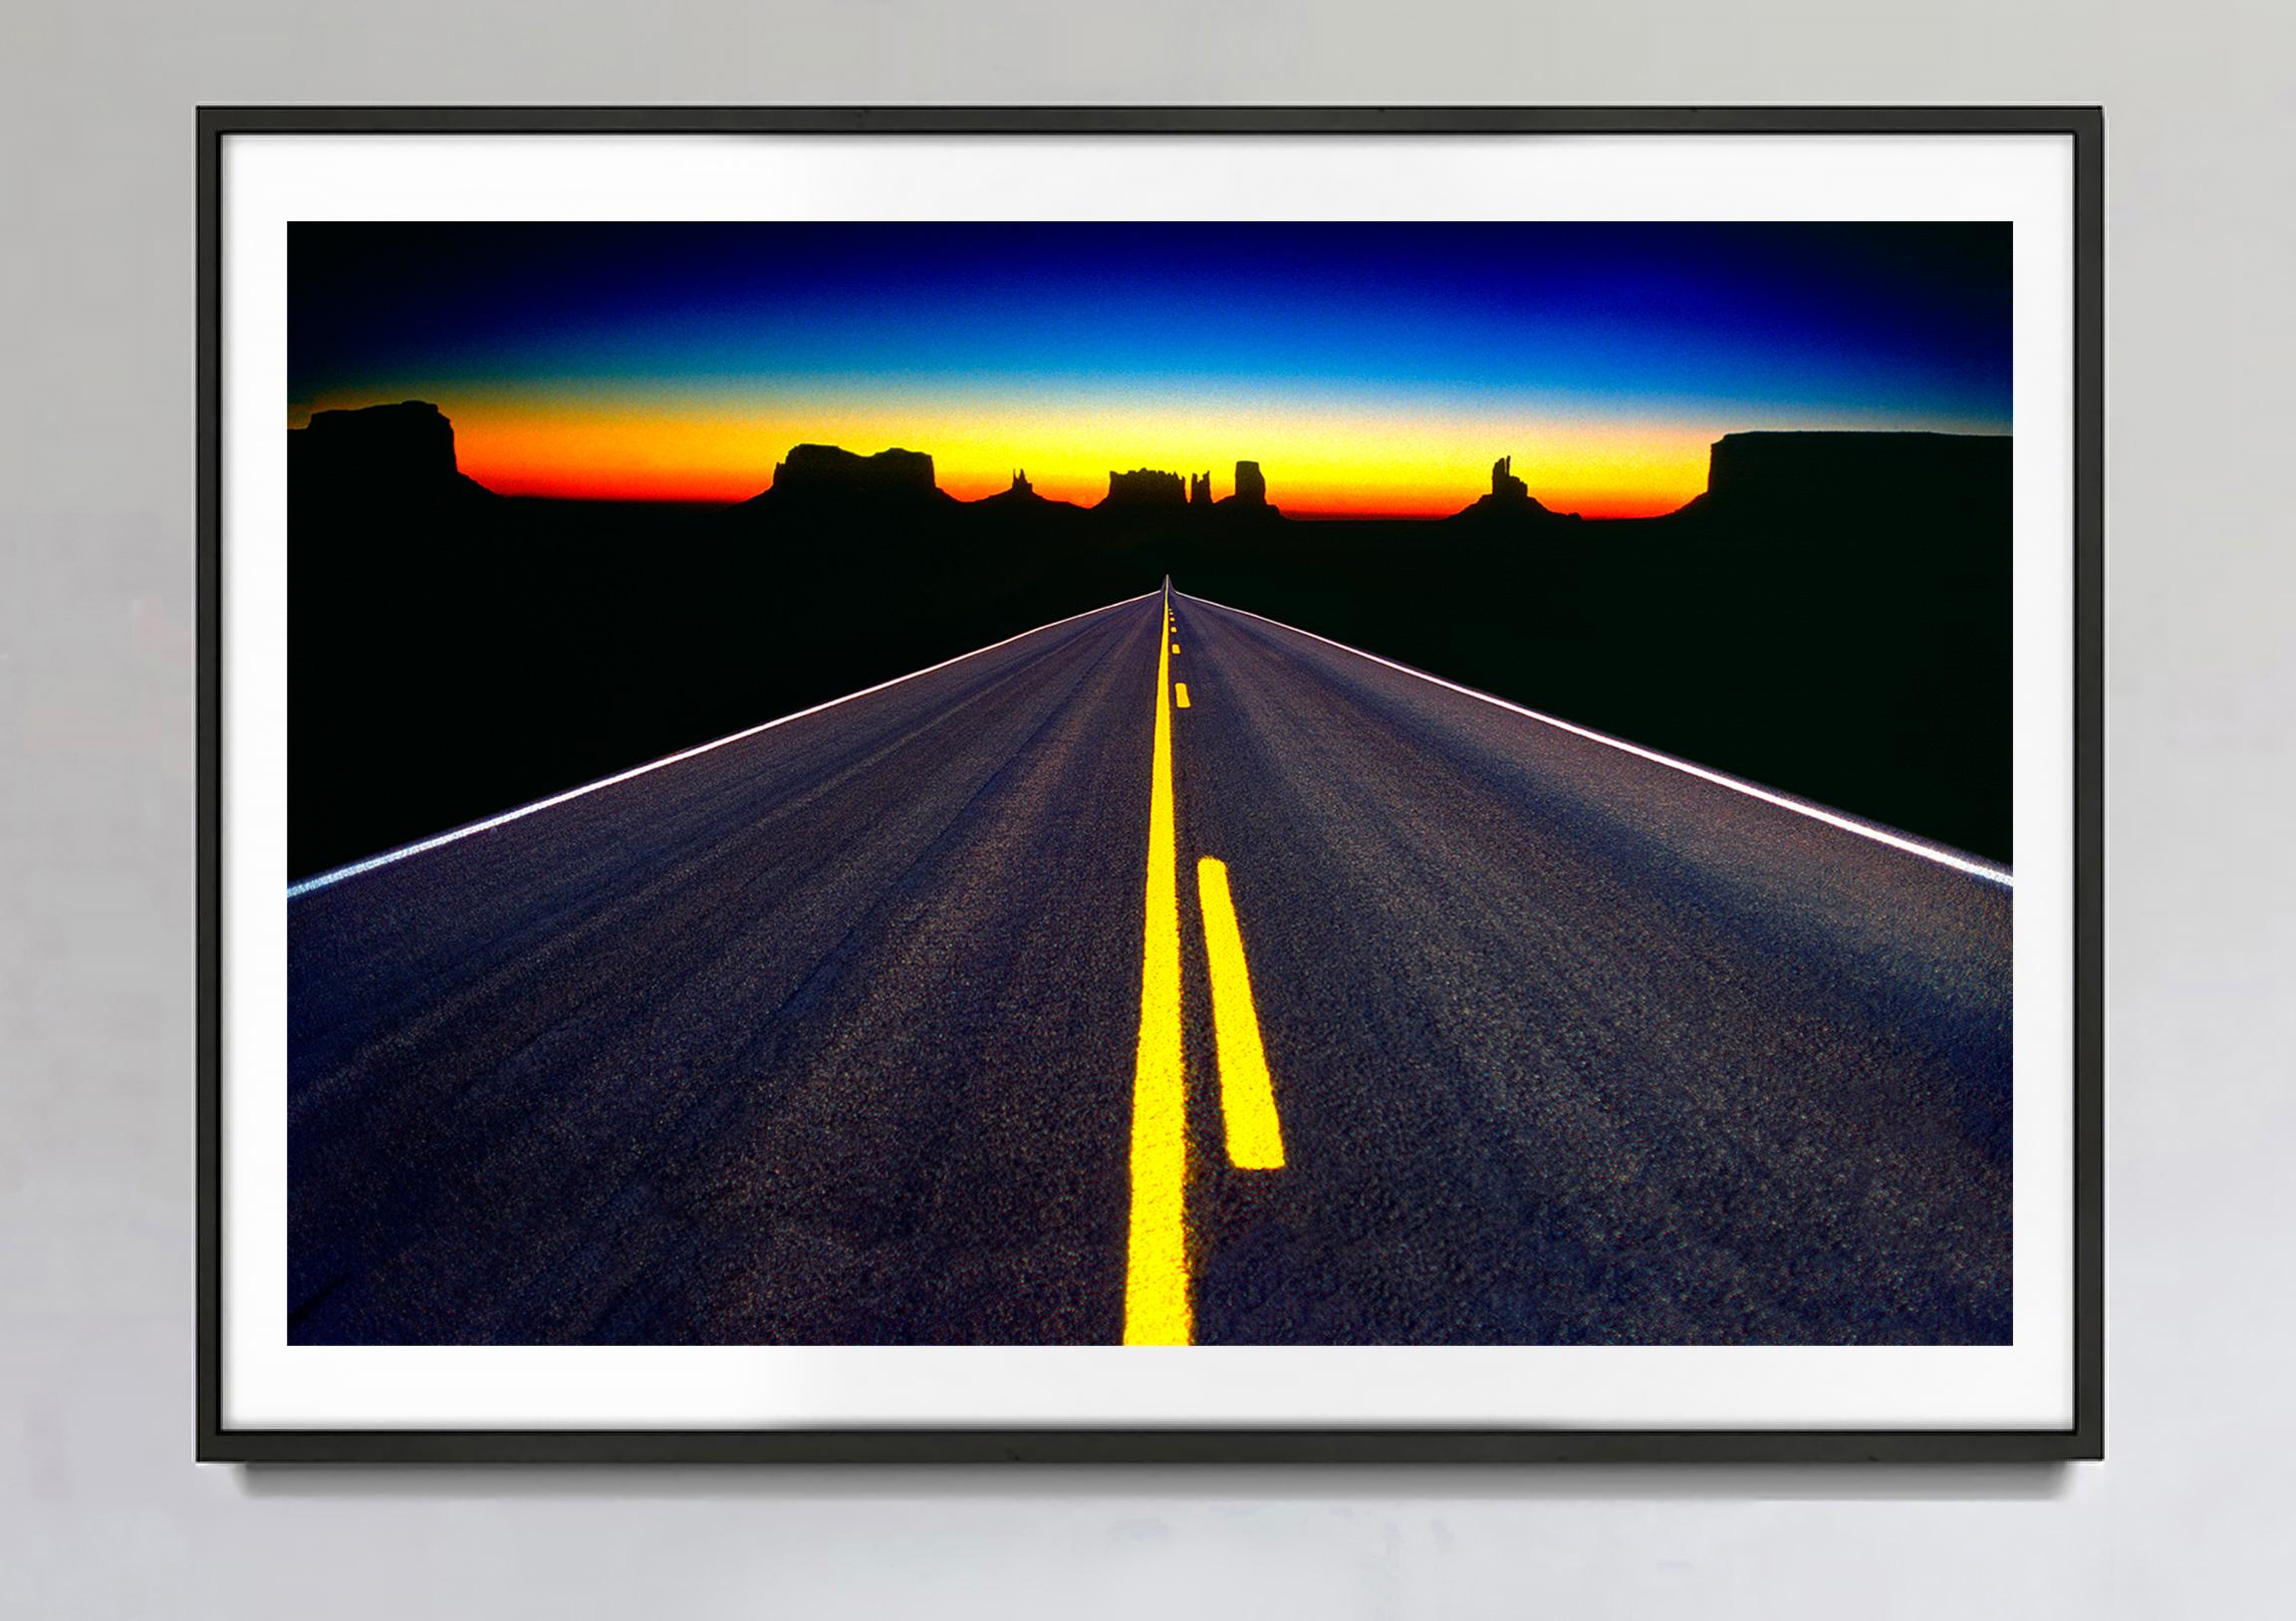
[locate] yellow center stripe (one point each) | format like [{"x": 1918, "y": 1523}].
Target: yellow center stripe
[
  {"x": 1247, "y": 1096},
  {"x": 1180, "y": 693},
  {"x": 1156, "y": 1310}
]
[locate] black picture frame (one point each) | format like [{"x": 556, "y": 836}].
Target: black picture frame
[{"x": 2083, "y": 1440}]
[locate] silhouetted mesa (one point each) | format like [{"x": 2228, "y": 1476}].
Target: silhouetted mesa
[
  {"x": 824, "y": 472},
  {"x": 1018, "y": 499},
  {"x": 1251, "y": 491},
  {"x": 1144, "y": 486},
  {"x": 1201, "y": 489},
  {"x": 1510, "y": 499},
  {"x": 1854, "y": 478},
  {"x": 395, "y": 457}
]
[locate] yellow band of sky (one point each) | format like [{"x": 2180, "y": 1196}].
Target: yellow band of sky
[{"x": 1337, "y": 461}]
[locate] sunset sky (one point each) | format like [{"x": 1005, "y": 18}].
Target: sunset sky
[{"x": 1370, "y": 369}]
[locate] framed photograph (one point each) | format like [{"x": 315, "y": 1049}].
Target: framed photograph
[{"x": 1303, "y": 784}]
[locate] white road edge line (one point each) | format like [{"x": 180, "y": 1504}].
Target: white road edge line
[
  {"x": 1939, "y": 854},
  {"x": 319, "y": 881}
]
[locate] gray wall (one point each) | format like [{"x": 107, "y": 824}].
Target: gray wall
[{"x": 102, "y": 1512}]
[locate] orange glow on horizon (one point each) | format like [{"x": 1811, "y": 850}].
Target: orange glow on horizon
[{"x": 1332, "y": 463}]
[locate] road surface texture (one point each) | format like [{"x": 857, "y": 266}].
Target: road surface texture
[{"x": 849, "y": 1031}]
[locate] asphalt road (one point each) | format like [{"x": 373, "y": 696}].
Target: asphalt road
[{"x": 835, "y": 1033}]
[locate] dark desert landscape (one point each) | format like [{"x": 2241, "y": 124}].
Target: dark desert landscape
[{"x": 1831, "y": 618}]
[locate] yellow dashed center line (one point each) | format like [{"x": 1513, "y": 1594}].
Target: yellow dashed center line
[
  {"x": 1180, "y": 693},
  {"x": 1247, "y": 1096},
  {"x": 1157, "y": 1308}
]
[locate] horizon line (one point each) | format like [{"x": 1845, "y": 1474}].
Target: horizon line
[{"x": 1433, "y": 510}]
